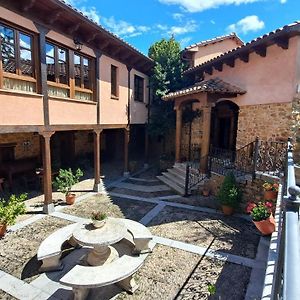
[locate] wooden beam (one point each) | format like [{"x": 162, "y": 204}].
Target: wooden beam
[
  {"x": 209, "y": 70},
  {"x": 28, "y": 5},
  {"x": 219, "y": 67},
  {"x": 104, "y": 44},
  {"x": 262, "y": 51},
  {"x": 54, "y": 17},
  {"x": 282, "y": 42},
  {"x": 116, "y": 52},
  {"x": 244, "y": 57},
  {"x": 71, "y": 30},
  {"x": 91, "y": 37},
  {"x": 230, "y": 62},
  {"x": 126, "y": 56},
  {"x": 135, "y": 60}
]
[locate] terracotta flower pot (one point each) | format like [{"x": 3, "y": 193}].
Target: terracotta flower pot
[
  {"x": 98, "y": 223},
  {"x": 266, "y": 227},
  {"x": 227, "y": 210},
  {"x": 205, "y": 193},
  {"x": 70, "y": 198},
  {"x": 3, "y": 228},
  {"x": 270, "y": 195}
]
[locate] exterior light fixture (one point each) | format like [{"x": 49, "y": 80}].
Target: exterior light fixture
[{"x": 78, "y": 44}]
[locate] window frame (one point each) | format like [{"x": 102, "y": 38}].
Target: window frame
[
  {"x": 34, "y": 57},
  {"x": 115, "y": 95},
  {"x": 139, "y": 83}
]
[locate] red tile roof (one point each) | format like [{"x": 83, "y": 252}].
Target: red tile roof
[{"x": 213, "y": 85}]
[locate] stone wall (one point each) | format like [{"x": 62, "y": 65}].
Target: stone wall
[
  {"x": 270, "y": 122},
  {"x": 196, "y": 136},
  {"x": 83, "y": 142},
  {"x": 251, "y": 189},
  {"x": 27, "y": 144}
]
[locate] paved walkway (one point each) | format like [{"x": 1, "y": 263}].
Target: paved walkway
[{"x": 46, "y": 286}]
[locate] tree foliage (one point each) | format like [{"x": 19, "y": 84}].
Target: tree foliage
[{"x": 166, "y": 77}]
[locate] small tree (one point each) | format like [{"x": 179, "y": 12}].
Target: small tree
[
  {"x": 229, "y": 193},
  {"x": 66, "y": 179},
  {"x": 166, "y": 77}
]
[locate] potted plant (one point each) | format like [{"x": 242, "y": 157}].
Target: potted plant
[
  {"x": 270, "y": 190},
  {"x": 10, "y": 210},
  {"x": 64, "y": 182},
  {"x": 99, "y": 219},
  {"x": 229, "y": 194},
  {"x": 262, "y": 217}
]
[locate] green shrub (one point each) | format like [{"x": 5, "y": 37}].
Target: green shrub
[
  {"x": 66, "y": 179},
  {"x": 11, "y": 209},
  {"x": 229, "y": 193}
]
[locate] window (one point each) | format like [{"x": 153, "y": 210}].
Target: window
[
  {"x": 57, "y": 64},
  {"x": 17, "y": 59},
  {"x": 83, "y": 77},
  {"x": 138, "y": 88},
  {"x": 114, "y": 81}
]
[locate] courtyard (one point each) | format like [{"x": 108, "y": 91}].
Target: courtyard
[{"x": 197, "y": 249}]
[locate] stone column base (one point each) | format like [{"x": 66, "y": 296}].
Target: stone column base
[
  {"x": 98, "y": 187},
  {"x": 48, "y": 208},
  {"x": 126, "y": 174}
]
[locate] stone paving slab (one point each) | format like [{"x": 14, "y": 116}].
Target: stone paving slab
[
  {"x": 143, "y": 188},
  {"x": 226, "y": 234}
]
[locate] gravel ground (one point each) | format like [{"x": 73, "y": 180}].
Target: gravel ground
[
  {"x": 227, "y": 234},
  {"x": 163, "y": 274},
  {"x": 18, "y": 249},
  {"x": 113, "y": 206},
  {"x": 142, "y": 194},
  {"x": 230, "y": 281},
  {"x": 5, "y": 296}
]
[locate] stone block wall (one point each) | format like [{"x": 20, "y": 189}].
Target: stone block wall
[
  {"x": 27, "y": 144},
  {"x": 251, "y": 189},
  {"x": 83, "y": 142},
  {"x": 270, "y": 122}
]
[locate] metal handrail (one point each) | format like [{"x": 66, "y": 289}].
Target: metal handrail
[{"x": 291, "y": 269}]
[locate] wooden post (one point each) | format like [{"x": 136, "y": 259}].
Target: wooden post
[
  {"x": 178, "y": 133},
  {"x": 97, "y": 159},
  {"x": 205, "y": 137},
  {"x": 126, "y": 145},
  {"x": 146, "y": 149},
  {"x": 47, "y": 173}
]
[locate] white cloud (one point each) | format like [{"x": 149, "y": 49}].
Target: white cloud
[
  {"x": 189, "y": 26},
  {"x": 123, "y": 28},
  {"x": 249, "y": 23},
  {"x": 282, "y": 1},
  {"x": 200, "y": 5},
  {"x": 178, "y": 16},
  {"x": 91, "y": 12},
  {"x": 185, "y": 41}
]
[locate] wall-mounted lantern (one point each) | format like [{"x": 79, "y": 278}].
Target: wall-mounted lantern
[{"x": 78, "y": 44}]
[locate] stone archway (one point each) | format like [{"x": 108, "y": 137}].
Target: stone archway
[{"x": 224, "y": 125}]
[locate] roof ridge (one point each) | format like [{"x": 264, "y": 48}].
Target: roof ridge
[
  {"x": 266, "y": 35},
  {"x": 215, "y": 40},
  {"x": 64, "y": 2}
]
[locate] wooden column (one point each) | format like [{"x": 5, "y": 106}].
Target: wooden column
[
  {"x": 42, "y": 85},
  {"x": 47, "y": 179},
  {"x": 98, "y": 83},
  {"x": 206, "y": 136},
  {"x": 178, "y": 133},
  {"x": 97, "y": 169},
  {"x": 146, "y": 149},
  {"x": 126, "y": 146}
]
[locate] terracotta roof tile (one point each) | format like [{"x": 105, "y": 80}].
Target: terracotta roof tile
[
  {"x": 217, "y": 39},
  {"x": 267, "y": 39},
  {"x": 213, "y": 85}
]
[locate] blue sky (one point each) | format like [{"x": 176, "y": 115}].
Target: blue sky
[{"x": 143, "y": 22}]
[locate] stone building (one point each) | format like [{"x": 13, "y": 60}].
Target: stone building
[
  {"x": 68, "y": 87},
  {"x": 241, "y": 92}
]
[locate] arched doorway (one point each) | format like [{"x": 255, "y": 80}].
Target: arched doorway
[{"x": 224, "y": 125}]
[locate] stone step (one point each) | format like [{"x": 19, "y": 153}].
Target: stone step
[
  {"x": 171, "y": 184},
  {"x": 177, "y": 173},
  {"x": 180, "y": 170},
  {"x": 177, "y": 180}
]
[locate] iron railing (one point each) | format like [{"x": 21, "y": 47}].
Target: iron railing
[
  {"x": 195, "y": 173},
  {"x": 282, "y": 277}
]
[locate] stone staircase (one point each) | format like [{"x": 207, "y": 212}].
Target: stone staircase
[{"x": 175, "y": 178}]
